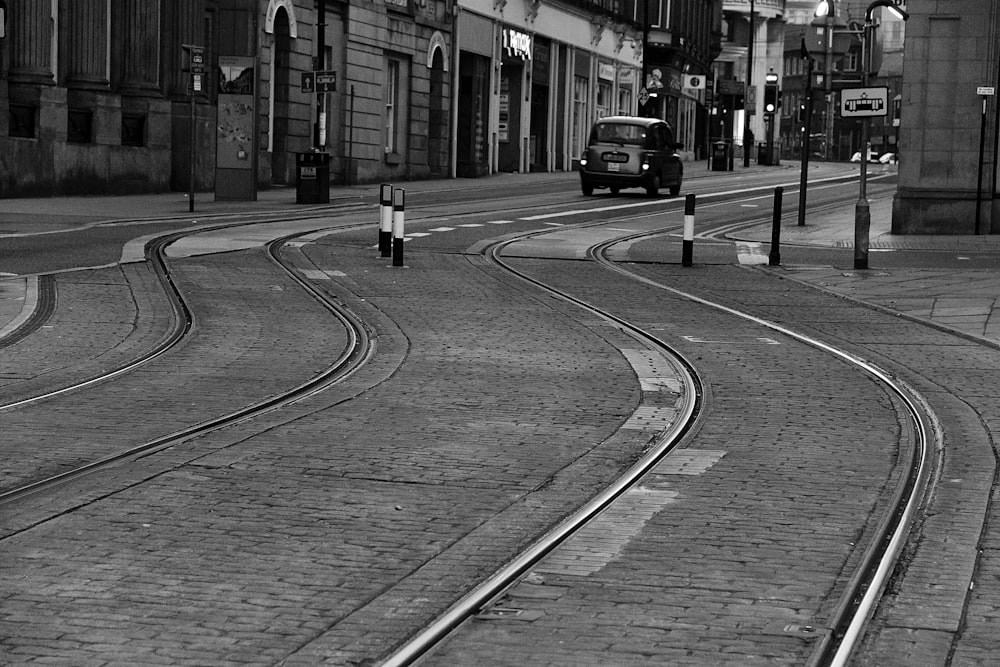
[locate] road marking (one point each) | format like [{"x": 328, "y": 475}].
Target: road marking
[
  {"x": 442, "y": 229},
  {"x": 750, "y": 253}
]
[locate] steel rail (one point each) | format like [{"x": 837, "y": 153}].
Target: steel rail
[
  {"x": 360, "y": 348},
  {"x": 869, "y": 580},
  {"x": 503, "y": 578}
]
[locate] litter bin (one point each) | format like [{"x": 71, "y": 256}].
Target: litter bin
[
  {"x": 769, "y": 158},
  {"x": 720, "y": 156},
  {"x": 312, "y": 178}
]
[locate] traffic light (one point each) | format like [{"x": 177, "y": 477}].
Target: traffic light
[{"x": 771, "y": 102}]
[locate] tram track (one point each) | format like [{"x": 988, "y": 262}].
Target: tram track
[
  {"x": 845, "y": 629},
  {"x": 359, "y": 349}
]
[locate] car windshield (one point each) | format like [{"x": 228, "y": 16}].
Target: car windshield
[{"x": 619, "y": 133}]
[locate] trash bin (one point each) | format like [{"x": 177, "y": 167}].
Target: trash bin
[
  {"x": 312, "y": 178},
  {"x": 720, "y": 156},
  {"x": 762, "y": 155}
]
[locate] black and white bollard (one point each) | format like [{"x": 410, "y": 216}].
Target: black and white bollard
[
  {"x": 398, "y": 201},
  {"x": 385, "y": 221},
  {"x": 688, "y": 250}
]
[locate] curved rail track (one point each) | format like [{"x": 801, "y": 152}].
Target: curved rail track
[
  {"x": 869, "y": 579},
  {"x": 866, "y": 585},
  {"x": 359, "y": 349}
]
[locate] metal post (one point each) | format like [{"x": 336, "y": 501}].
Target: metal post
[
  {"x": 806, "y": 140},
  {"x": 828, "y": 82},
  {"x": 746, "y": 90},
  {"x": 774, "y": 256},
  {"x": 862, "y": 213},
  {"x": 687, "y": 250},
  {"x": 398, "y": 205},
  {"x": 385, "y": 221},
  {"x": 979, "y": 173},
  {"x": 320, "y": 65},
  {"x": 193, "y": 144}
]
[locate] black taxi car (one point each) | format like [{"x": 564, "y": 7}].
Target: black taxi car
[{"x": 631, "y": 152}]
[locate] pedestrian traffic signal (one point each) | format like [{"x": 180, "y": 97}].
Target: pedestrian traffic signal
[{"x": 770, "y": 98}]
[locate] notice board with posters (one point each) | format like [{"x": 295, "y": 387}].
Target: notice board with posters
[{"x": 235, "y": 138}]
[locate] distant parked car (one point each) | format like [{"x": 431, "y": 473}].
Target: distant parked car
[
  {"x": 872, "y": 157},
  {"x": 889, "y": 158},
  {"x": 631, "y": 152}
]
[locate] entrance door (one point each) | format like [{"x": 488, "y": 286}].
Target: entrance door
[
  {"x": 281, "y": 162},
  {"x": 509, "y": 131}
]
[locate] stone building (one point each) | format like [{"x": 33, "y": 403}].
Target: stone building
[
  {"x": 951, "y": 54},
  {"x": 115, "y": 96},
  {"x": 99, "y": 92}
]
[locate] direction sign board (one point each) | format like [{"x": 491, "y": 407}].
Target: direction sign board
[
  {"x": 985, "y": 90},
  {"x": 326, "y": 81},
  {"x": 308, "y": 82},
  {"x": 864, "y": 102}
]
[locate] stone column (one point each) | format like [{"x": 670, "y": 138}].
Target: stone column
[
  {"x": 85, "y": 51},
  {"x": 30, "y": 47},
  {"x": 136, "y": 26}
]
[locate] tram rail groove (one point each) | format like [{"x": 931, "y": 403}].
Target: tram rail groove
[
  {"x": 879, "y": 559},
  {"x": 360, "y": 349},
  {"x": 493, "y": 587},
  {"x": 866, "y": 584}
]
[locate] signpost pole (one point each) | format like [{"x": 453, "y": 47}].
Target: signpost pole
[{"x": 984, "y": 92}]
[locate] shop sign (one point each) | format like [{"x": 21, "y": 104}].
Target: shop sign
[
  {"x": 606, "y": 72},
  {"x": 517, "y": 43}
]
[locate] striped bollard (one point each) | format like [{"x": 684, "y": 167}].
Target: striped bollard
[
  {"x": 385, "y": 222},
  {"x": 398, "y": 200},
  {"x": 688, "y": 250}
]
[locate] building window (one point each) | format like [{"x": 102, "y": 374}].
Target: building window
[
  {"x": 133, "y": 130},
  {"x": 22, "y": 121},
  {"x": 396, "y": 104},
  {"x": 391, "y": 106},
  {"x": 581, "y": 91},
  {"x": 603, "y": 99},
  {"x": 79, "y": 129},
  {"x": 850, "y": 62}
]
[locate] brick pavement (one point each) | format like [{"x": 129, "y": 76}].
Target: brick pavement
[{"x": 212, "y": 477}]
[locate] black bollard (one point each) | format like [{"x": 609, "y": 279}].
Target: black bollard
[{"x": 774, "y": 257}]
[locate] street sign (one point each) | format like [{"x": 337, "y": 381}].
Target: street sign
[
  {"x": 643, "y": 96},
  {"x": 864, "y": 102},
  {"x": 326, "y": 82},
  {"x": 308, "y": 82},
  {"x": 730, "y": 87},
  {"x": 985, "y": 90},
  {"x": 694, "y": 81}
]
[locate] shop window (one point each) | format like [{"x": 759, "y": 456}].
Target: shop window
[
  {"x": 133, "y": 130},
  {"x": 603, "y": 99},
  {"x": 22, "y": 121},
  {"x": 80, "y": 126}
]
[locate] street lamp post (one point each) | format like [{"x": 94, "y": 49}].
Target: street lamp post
[
  {"x": 828, "y": 9},
  {"x": 746, "y": 90},
  {"x": 862, "y": 212}
]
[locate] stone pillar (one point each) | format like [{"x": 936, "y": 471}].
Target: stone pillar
[
  {"x": 30, "y": 47},
  {"x": 85, "y": 47},
  {"x": 136, "y": 26}
]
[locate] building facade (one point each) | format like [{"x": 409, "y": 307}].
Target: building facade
[
  {"x": 114, "y": 96},
  {"x": 752, "y": 47},
  {"x": 951, "y": 56},
  {"x": 839, "y": 58}
]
